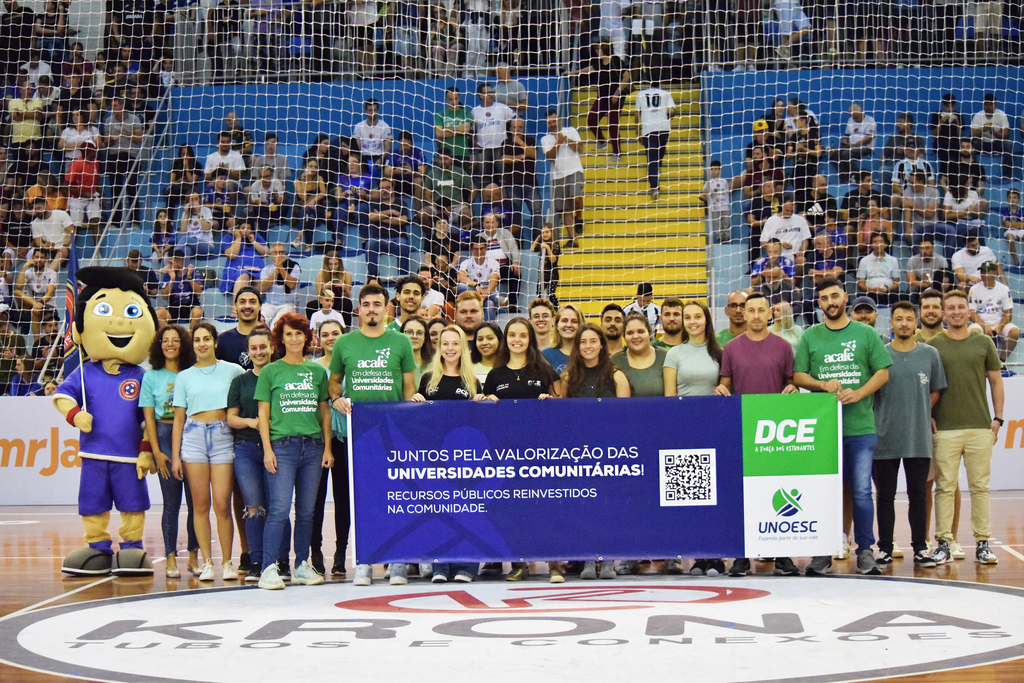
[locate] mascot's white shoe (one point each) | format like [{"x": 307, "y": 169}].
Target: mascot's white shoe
[{"x": 88, "y": 562}]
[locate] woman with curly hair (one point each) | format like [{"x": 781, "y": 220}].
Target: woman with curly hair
[{"x": 590, "y": 372}]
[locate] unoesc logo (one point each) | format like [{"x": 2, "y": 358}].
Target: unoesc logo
[{"x": 787, "y": 504}]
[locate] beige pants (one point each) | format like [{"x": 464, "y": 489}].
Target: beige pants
[{"x": 975, "y": 445}]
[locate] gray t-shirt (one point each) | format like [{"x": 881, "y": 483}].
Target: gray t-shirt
[
  {"x": 119, "y": 134},
  {"x": 916, "y": 265},
  {"x": 511, "y": 94},
  {"x": 903, "y": 406},
  {"x": 696, "y": 370},
  {"x": 647, "y": 381},
  {"x": 929, "y": 195}
]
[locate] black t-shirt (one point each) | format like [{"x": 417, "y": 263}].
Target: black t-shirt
[
  {"x": 814, "y": 210},
  {"x": 151, "y": 280},
  {"x": 762, "y": 210},
  {"x": 947, "y": 128},
  {"x": 608, "y": 76},
  {"x": 242, "y": 395},
  {"x": 857, "y": 203},
  {"x": 523, "y": 171},
  {"x": 958, "y": 172},
  {"x": 448, "y": 389},
  {"x": 505, "y": 382},
  {"x": 386, "y": 230},
  {"x": 231, "y": 346}
]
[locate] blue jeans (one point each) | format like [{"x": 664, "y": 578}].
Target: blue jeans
[
  {"x": 490, "y": 303},
  {"x": 298, "y": 470},
  {"x": 194, "y": 247},
  {"x": 396, "y": 246},
  {"x": 171, "y": 488},
  {"x": 453, "y": 568},
  {"x": 252, "y": 478},
  {"x": 858, "y": 458}
]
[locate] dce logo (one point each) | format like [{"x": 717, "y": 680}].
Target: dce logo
[{"x": 786, "y": 431}]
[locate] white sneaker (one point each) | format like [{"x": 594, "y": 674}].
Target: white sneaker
[
  {"x": 957, "y": 552},
  {"x": 207, "y": 573},
  {"x": 364, "y": 575},
  {"x": 439, "y": 578},
  {"x": 305, "y": 575},
  {"x": 399, "y": 574},
  {"x": 227, "y": 572},
  {"x": 270, "y": 579},
  {"x": 426, "y": 568},
  {"x": 897, "y": 552}
]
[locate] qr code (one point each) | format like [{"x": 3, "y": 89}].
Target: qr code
[{"x": 687, "y": 477}]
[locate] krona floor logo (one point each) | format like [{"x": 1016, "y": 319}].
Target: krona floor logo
[{"x": 787, "y": 504}]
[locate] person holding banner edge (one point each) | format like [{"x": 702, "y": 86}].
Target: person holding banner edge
[
  {"x": 375, "y": 364},
  {"x": 847, "y": 358}
]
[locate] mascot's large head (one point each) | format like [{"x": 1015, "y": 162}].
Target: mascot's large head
[{"x": 113, "y": 317}]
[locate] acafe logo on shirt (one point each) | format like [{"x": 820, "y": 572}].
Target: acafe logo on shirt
[
  {"x": 381, "y": 361},
  {"x": 305, "y": 385},
  {"x": 845, "y": 357}
]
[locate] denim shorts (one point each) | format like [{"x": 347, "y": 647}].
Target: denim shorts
[{"x": 207, "y": 442}]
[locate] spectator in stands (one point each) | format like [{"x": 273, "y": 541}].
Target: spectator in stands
[
  {"x": 453, "y": 126},
  {"x": 878, "y": 274},
  {"x": 83, "y": 186},
  {"x": 226, "y": 157},
  {"x": 901, "y": 139},
  {"x": 947, "y": 130},
  {"x": 374, "y": 136},
  {"x": 502, "y": 247},
  {"x": 77, "y": 132},
  {"x": 826, "y": 262},
  {"x": 864, "y": 310},
  {"x": 221, "y": 198},
  {"x": 509, "y": 91},
  {"x": 52, "y": 230},
  {"x": 242, "y": 140},
  {"x": 406, "y": 168},
  {"x": 266, "y": 196},
  {"x": 121, "y": 143},
  {"x": 196, "y": 228},
  {"x": 334, "y": 275},
  {"x": 913, "y": 161},
  {"x": 875, "y": 221},
  {"x": 480, "y": 273},
  {"x": 775, "y": 119},
  {"x": 612, "y": 322},
  {"x": 362, "y": 15},
  {"x": 549, "y": 252},
  {"x": 16, "y": 33},
  {"x": 35, "y": 67},
  {"x": 717, "y": 198},
  {"x": 992, "y": 310},
  {"x": 434, "y": 301},
  {"x": 492, "y": 200},
  {"x": 858, "y": 143},
  {"x": 761, "y": 209},
  {"x": 926, "y": 269},
  {"x": 46, "y": 358},
  {"x": 816, "y": 202},
  {"x": 26, "y": 124},
  {"x": 990, "y": 133},
  {"x": 34, "y": 289},
  {"x": 645, "y": 306},
  {"x": 245, "y": 251},
  {"x": 791, "y": 229},
  {"x": 794, "y": 31},
  {"x": 561, "y": 146},
  {"x": 774, "y": 275},
  {"x": 269, "y": 22},
  {"x": 278, "y": 163},
  {"x": 803, "y": 151},
  {"x": 279, "y": 284},
  {"x": 654, "y": 111},
  {"x": 326, "y": 311},
  {"x": 765, "y": 139},
  {"x": 388, "y": 231},
  {"x": 963, "y": 211},
  {"x": 133, "y": 261},
  {"x": 964, "y": 170},
  {"x": 519, "y": 174},
  {"x": 181, "y": 287},
  {"x": 12, "y": 350},
  {"x": 136, "y": 102},
  {"x": 761, "y": 170},
  {"x": 612, "y": 80},
  {"x": 490, "y": 121},
  {"x": 186, "y": 175},
  {"x": 447, "y": 191},
  {"x": 920, "y": 203},
  {"x": 310, "y": 204},
  {"x": 855, "y": 203},
  {"x": 1012, "y": 219},
  {"x": 967, "y": 262},
  {"x": 75, "y": 96}
]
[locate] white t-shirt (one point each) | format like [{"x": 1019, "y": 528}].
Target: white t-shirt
[
  {"x": 37, "y": 282},
  {"x": 567, "y": 161},
  {"x": 371, "y": 138},
  {"x": 195, "y": 226},
  {"x": 998, "y": 120},
  {"x": 793, "y": 230},
  {"x": 52, "y": 229},
  {"x": 481, "y": 272},
  {"x": 266, "y": 194},
  {"x": 490, "y": 124},
  {"x": 34, "y": 72},
  {"x": 232, "y": 161},
  {"x": 718, "y": 194},
  {"x": 971, "y": 201},
  {"x": 653, "y": 105},
  {"x": 363, "y": 13},
  {"x": 73, "y": 137},
  {"x": 972, "y": 264},
  {"x": 320, "y": 317},
  {"x": 432, "y": 298},
  {"x": 278, "y": 294},
  {"x": 858, "y": 131},
  {"x": 990, "y": 304}
]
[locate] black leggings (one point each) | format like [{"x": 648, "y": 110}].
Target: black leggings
[
  {"x": 655, "y": 144},
  {"x": 886, "y": 473},
  {"x": 339, "y": 485}
]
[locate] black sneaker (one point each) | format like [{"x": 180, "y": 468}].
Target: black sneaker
[
  {"x": 984, "y": 555},
  {"x": 784, "y": 567},
  {"x": 740, "y": 567},
  {"x": 284, "y": 570},
  {"x": 699, "y": 568},
  {"x": 317, "y": 561},
  {"x": 820, "y": 566},
  {"x": 245, "y": 563},
  {"x": 942, "y": 554},
  {"x": 253, "y": 573},
  {"x": 883, "y": 557},
  {"x": 338, "y": 572},
  {"x": 574, "y": 567},
  {"x": 491, "y": 569},
  {"x": 922, "y": 558},
  {"x": 716, "y": 568}
]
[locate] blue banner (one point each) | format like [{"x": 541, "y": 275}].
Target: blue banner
[{"x": 547, "y": 480}]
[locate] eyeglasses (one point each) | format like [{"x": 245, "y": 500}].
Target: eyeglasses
[
  {"x": 541, "y": 316},
  {"x": 734, "y": 305},
  {"x": 415, "y": 333}
]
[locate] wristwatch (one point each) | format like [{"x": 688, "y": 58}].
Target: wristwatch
[{"x": 999, "y": 420}]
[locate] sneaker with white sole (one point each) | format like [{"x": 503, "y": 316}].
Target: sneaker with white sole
[
  {"x": 956, "y": 552},
  {"x": 923, "y": 558},
  {"x": 364, "y": 575},
  {"x": 306, "y": 575},
  {"x": 866, "y": 563},
  {"x": 607, "y": 569},
  {"x": 820, "y": 565},
  {"x": 399, "y": 574},
  {"x": 628, "y": 567},
  {"x": 463, "y": 577},
  {"x": 589, "y": 571},
  {"x": 883, "y": 557},
  {"x": 438, "y": 578},
  {"x": 207, "y": 573},
  {"x": 255, "y": 571},
  {"x": 270, "y": 579},
  {"x": 984, "y": 555},
  {"x": 942, "y": 554},
  {"x": 897, "y": 552},
  {"x": 227, "y": 572}
]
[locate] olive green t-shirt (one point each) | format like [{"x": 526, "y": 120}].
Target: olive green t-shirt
[
  {"x": 294, "y": 393},
  {"x": 851, "y": 355},
  {"x": 372, "y": 367},
  {"x": 648, "y": 381},
  {"x": 964, "y": 403},
  {"x": 458, "y": 144}
]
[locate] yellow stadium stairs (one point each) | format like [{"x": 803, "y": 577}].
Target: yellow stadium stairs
[{"x": 628, "y": 238}]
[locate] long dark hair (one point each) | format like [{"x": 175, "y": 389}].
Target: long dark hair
[
  {"x": 537, "y": 367},
  {"x": 714, "y": 350},
  {"x": 576, "y": 369},
  {"x": 427, "y": 351},
  {"x": 494, "y": 327},
  {"x": 186, "y": 356}
]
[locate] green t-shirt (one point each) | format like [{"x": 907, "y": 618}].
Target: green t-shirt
[
  {"x": 851, "y": 355},
  {"x": 372, "y": 367},
  {"x": 648, "y": 381},
  {"x": 660, "y": 344},
  {"x": 724, "y": 337},
  {"x": 458, "y": 144},
  {"x": 294, "y": 393},
  {"x": 452, "y": 185},
  {"x": 964, "y": 403},
  {"x": 242, "y": 395}
]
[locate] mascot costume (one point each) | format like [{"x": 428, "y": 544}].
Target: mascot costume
[{"x": 114, "y": 325}]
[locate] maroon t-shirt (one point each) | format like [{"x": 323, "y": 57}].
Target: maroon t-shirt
[{"x": 757, "y": 367}]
